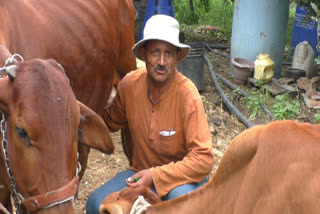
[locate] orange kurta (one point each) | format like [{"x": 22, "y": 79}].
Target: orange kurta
[{"x": 171, "y": 137}]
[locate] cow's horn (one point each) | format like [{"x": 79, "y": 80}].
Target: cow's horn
[{"x": 11, "y": 71}]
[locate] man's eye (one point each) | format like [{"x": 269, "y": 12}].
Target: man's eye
[{"x": 154, "y": 52}]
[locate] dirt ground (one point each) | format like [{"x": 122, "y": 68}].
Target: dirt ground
[{"x": 223, "y": 126}]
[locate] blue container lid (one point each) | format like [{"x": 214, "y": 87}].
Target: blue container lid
[
  {"x": 157, "y": 7},
  {"x": 160, "y": 3}
]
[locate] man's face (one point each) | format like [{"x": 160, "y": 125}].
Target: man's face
[{"x": 161, "y": 60}]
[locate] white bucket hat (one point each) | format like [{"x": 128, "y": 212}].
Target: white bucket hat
[{"x": 165, "y": 28}]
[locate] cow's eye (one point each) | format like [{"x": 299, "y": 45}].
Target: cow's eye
[{"x": 23, "y": 134}]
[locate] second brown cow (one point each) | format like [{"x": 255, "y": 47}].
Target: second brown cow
[{"x": 270, "y": 168}]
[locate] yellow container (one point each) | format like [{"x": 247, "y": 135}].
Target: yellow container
[{"x": 263, "y": 68}]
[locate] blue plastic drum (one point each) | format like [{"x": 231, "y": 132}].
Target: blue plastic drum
[{"x": 260, "y": 26}]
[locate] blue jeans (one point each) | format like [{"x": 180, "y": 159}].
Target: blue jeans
[{"x": 118, "y": 183}]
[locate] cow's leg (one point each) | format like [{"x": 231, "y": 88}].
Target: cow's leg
[{"x": 127, "y": 60}]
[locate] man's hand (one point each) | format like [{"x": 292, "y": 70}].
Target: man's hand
[{"x": 141, "y": 178}]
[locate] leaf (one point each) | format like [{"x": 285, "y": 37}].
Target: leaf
[
  {"x": 317, "y": 117},
  {"x": 315, "y": 8}
]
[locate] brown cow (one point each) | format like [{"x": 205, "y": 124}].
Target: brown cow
[
  {"x": 40, "y": 129},
  {"x": 272, "y": 168},
  {"x": 92, "y": 40}
]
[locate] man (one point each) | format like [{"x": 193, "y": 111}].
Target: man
[{"x": 170, "y": 148}]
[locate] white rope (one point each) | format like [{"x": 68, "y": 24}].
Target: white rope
[
  {"x": 140, "y": 206},
  {"x": 3, "y": 209},
  {"x": 16, "y": 55}
]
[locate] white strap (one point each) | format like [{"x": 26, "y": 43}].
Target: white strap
[{"x": 140, "y": 206}]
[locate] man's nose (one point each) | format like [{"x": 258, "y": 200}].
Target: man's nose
[{"x": 162, "y": 60}]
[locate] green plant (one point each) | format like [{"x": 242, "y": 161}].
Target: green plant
[
  {"x": 285, "y": 107},
  {"x": 254, "y": 99},
  {"x": 259, "y": 84},
  {"x": 291, "y": 20},
  {"x": 206, "y": 12},
  {"x": 317, "y": 117},
  {"x": 312, "y": 8},
  {"x": 184, "y": 14},
  {"x": 220, "y": 14}
]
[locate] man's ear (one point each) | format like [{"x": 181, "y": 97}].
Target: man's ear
[
  {"x": 142, "y": 52},
  {"x": 179, "y": 54}
]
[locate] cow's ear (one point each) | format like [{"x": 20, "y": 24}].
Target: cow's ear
[
  {"x": 94, "y": 132},
  {"x": 113, "y": 208}
]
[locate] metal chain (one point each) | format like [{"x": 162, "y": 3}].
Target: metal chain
[{"x": 18, "y": 198}]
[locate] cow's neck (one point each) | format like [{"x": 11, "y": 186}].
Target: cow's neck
[
  {"x": 18, "y": 20},
  {"x": 4, "y": 30},
  {"x": 4, "y": 55}
]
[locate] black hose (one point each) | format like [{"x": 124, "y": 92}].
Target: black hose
[
  {"x": 212, "y": 47},
  {"x": 229, "y": 105},
  {"x": 214, "y": 51},
  {"x": 233, "y": 87},
  {"x": 243, "y": 93},
  {"x": 221, "y": 47}
]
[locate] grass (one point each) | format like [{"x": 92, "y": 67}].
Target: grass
[
  {"x": 291, "y": 20},
  {"x": 219, "y": 13},
  {"x": 285, "y": 107},
  {"x": 215, "y": 13}
]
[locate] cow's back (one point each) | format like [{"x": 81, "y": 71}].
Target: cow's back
[
  {"x": 283, "y": 175},
  {"x": 266, "y": 169},
  {"x": 269, "y": 169}
]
